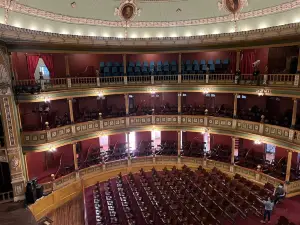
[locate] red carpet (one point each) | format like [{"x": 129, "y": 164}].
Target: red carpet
[{"x": 290, "y": 208}]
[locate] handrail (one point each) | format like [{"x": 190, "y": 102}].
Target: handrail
[
  {"x": 290, "y": 80},
  {"x": 6, "y": 197},
  {"x": 161, "y": 160}
]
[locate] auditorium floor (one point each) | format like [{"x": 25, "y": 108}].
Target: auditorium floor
[{"x": 289, "y": 208}]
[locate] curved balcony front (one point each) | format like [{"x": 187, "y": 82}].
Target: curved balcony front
[
  {"x": 68, "y": 187},
  {"x": 52, "y": 138},
  {"x": 59, "y": 88}
]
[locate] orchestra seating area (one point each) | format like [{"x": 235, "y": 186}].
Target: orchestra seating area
[{"x": 183, "y": 197}]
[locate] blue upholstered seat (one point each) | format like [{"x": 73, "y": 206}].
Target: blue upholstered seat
[
  {"x": 137, "y": 70},
  {"x": 173, "y": 63},
  {"x": 109, "y": 64},
  {"x": 210, "y": 62},
  {"x": 195, "y": 62},
  {"x": 102, "y": 64},
  {"x": 131, "y": 64},
  {"x": 212, "y": 67},
  {"x": 106, "y": 71},
  {"x": 159, "y": 63},
  {"x": 145, "y": 63},
  {"x": 218, "y": 62},
  {"x": 203, "y": 62},
  {"x": 187, "y": 62},
  {"x": 145, "y": 70},
  {"x": 138, "y": 64},
  {"x": 225, "y": 62}
]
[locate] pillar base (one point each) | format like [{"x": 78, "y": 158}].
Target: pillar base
[
  {"x": 19, "y": 198},
  {"x": 179, "y": 160},
  {"x": 231, "y": 169}
]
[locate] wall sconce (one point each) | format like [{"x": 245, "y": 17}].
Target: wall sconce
[
  {"x": 257, "y": 142},
  {"x": 52, "y": 149},
  {"x": 100, "y": 94},
  {"x": 46, "y": 100}
]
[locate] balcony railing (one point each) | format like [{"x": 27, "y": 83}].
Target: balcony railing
[
  {"x": 277, "y": 135},
  {"x": 166, "y": 161},
  {"x": 286, "y": 80},
  {"x": 6, "y": 197}
]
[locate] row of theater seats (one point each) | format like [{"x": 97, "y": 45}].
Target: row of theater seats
[
  {"x": 161, "y": 68},
  {"x": 178, "y": 197}
]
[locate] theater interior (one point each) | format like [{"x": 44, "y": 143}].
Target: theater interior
[{"x": 149, "y": 112}]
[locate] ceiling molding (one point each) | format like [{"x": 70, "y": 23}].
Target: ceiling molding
[
  {"x": 20, "y": 8},
  {"x": 14, "y": 35}
]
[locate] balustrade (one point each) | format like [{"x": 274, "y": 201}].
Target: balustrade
[
  {"x": 157, "y": 161},
  {"x": 6, "y": 197},
  {"x": 286, "y": 80},
  {"x": 224, "y": 125}
]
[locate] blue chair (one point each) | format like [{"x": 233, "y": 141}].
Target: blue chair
[
  {"x": 137, "y": 71},
  {"x": 189, "y": 69},
  {"x": 114, "y": 71},
  {"x": 130, "y": 71},
  {"x": 202, "y": 62},
  {"x": 102, "y": 65},
  {"x": 159, "y": 63},
  {"x": 152, "y": 63},
  {"x": 138, "y": 64},
  {"x": 210, "y": 62},
  {"x": 218, "y": 64},
  {"x": 204, "y": 68},
  {"x": 197, "y": 68},
  {"x": 117, "y": 64},
  {"x": 166, "y": 69},
  {"x": 212, "y": 68},
  {"x": 145, "y": 70},
  {"x": 106, "y": 71},
  {"x": 159, "y": 69},
  {"x": 109, "y": 64},
  {"x": 121, "y": 71},
  {"x": 145, "y": 64},
  {"x": 173, "y": 69},
  {"x": 131, "y": 64},
  {"x": 152, "y": 69},
  {"x": 195, "y": 62},
  {"x": 225, "y": 61},
  {"x": 166, "y": 63},
  {"x": 187, "y": 62},
  {"x": 173, "y": 63}
]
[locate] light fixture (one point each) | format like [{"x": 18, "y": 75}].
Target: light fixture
[
  {"x": 51, "y": 149},
  {"x": 100, "y": 94},
  {"x": 260, "y": 94},
  {"x": 257, "y": 142},
  {"x": 152, "y": 91},
  {"x": 46, "y": 100}
]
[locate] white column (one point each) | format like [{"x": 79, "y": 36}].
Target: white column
[
  {"x": 288, "y": 166},
  {"x": 235, "y": 105},
  {"x": 70, "y": 102},
  {"x": 179, "y": 102},
  {"x": 126, "y": 96}
]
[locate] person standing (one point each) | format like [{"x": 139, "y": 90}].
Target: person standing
[
  {"x": 268, "y": 210},
  {"x": 279, "y": 193}
]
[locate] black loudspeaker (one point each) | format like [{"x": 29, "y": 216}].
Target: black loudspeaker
[
  {"x": 30, "y": 193},
  {"x": 39, "y": 191}
]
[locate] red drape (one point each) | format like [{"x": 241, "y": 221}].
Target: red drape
[
  {"x": 32, "y": 61},
  {"x": 232, "y": 62},
  {"x": 48, "y": 60},
  {"x": 247, "y": 59}
]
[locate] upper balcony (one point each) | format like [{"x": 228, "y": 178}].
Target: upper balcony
[{"x": 71, "y": 75}]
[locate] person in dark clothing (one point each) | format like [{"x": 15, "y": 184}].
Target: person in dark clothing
[{"x": 279, "y": 193}]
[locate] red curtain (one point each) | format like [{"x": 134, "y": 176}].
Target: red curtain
[
  {"x": 32, "y": 61},
  {"x": 232, "y": 62},
  {"x": 247, "y": 58},
  {"x": 48, "y": 60}
]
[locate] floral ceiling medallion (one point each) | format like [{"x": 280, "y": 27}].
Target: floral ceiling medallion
[
  {"x": 127, "y": 10},
  {"x": 232, "y": 6}
]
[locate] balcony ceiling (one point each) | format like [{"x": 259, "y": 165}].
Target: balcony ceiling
[{"x": 156, "y": 18}]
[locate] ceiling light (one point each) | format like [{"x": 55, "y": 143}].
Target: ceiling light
[
  {"x": 17, "y": 24},
  {"x": 173, "y": 35},
  {"x": 188, "y": 34},
  {"x": 105, "y": 34},
  {"x": 33, "y": 27},
  {"x": 133, "y": 35},
  {"x": 160, "y": 35},
  {"x": 64, "y": 31}
]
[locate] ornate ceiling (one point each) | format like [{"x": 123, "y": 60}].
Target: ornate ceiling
[{"x": 147, "y": 18}]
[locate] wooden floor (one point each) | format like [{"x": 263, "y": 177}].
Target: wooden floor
[{"x": 72, "y": 213}]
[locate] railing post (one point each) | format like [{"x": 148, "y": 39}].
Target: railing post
[
  {"x": 258, "y": 173},
  {"x": 179, "y": 78},
  {"x": 296, "y": 81},
  {"x": 69, "y": 82},
  {"x": 288, "y": 167},
  {"x": 98, "y": 81},
  {"x": 152, "y": 79},
  {"x": 125, "y": 80},
  {"x": 207, "y": 78},
  {"x": 265, "y": 81}
]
